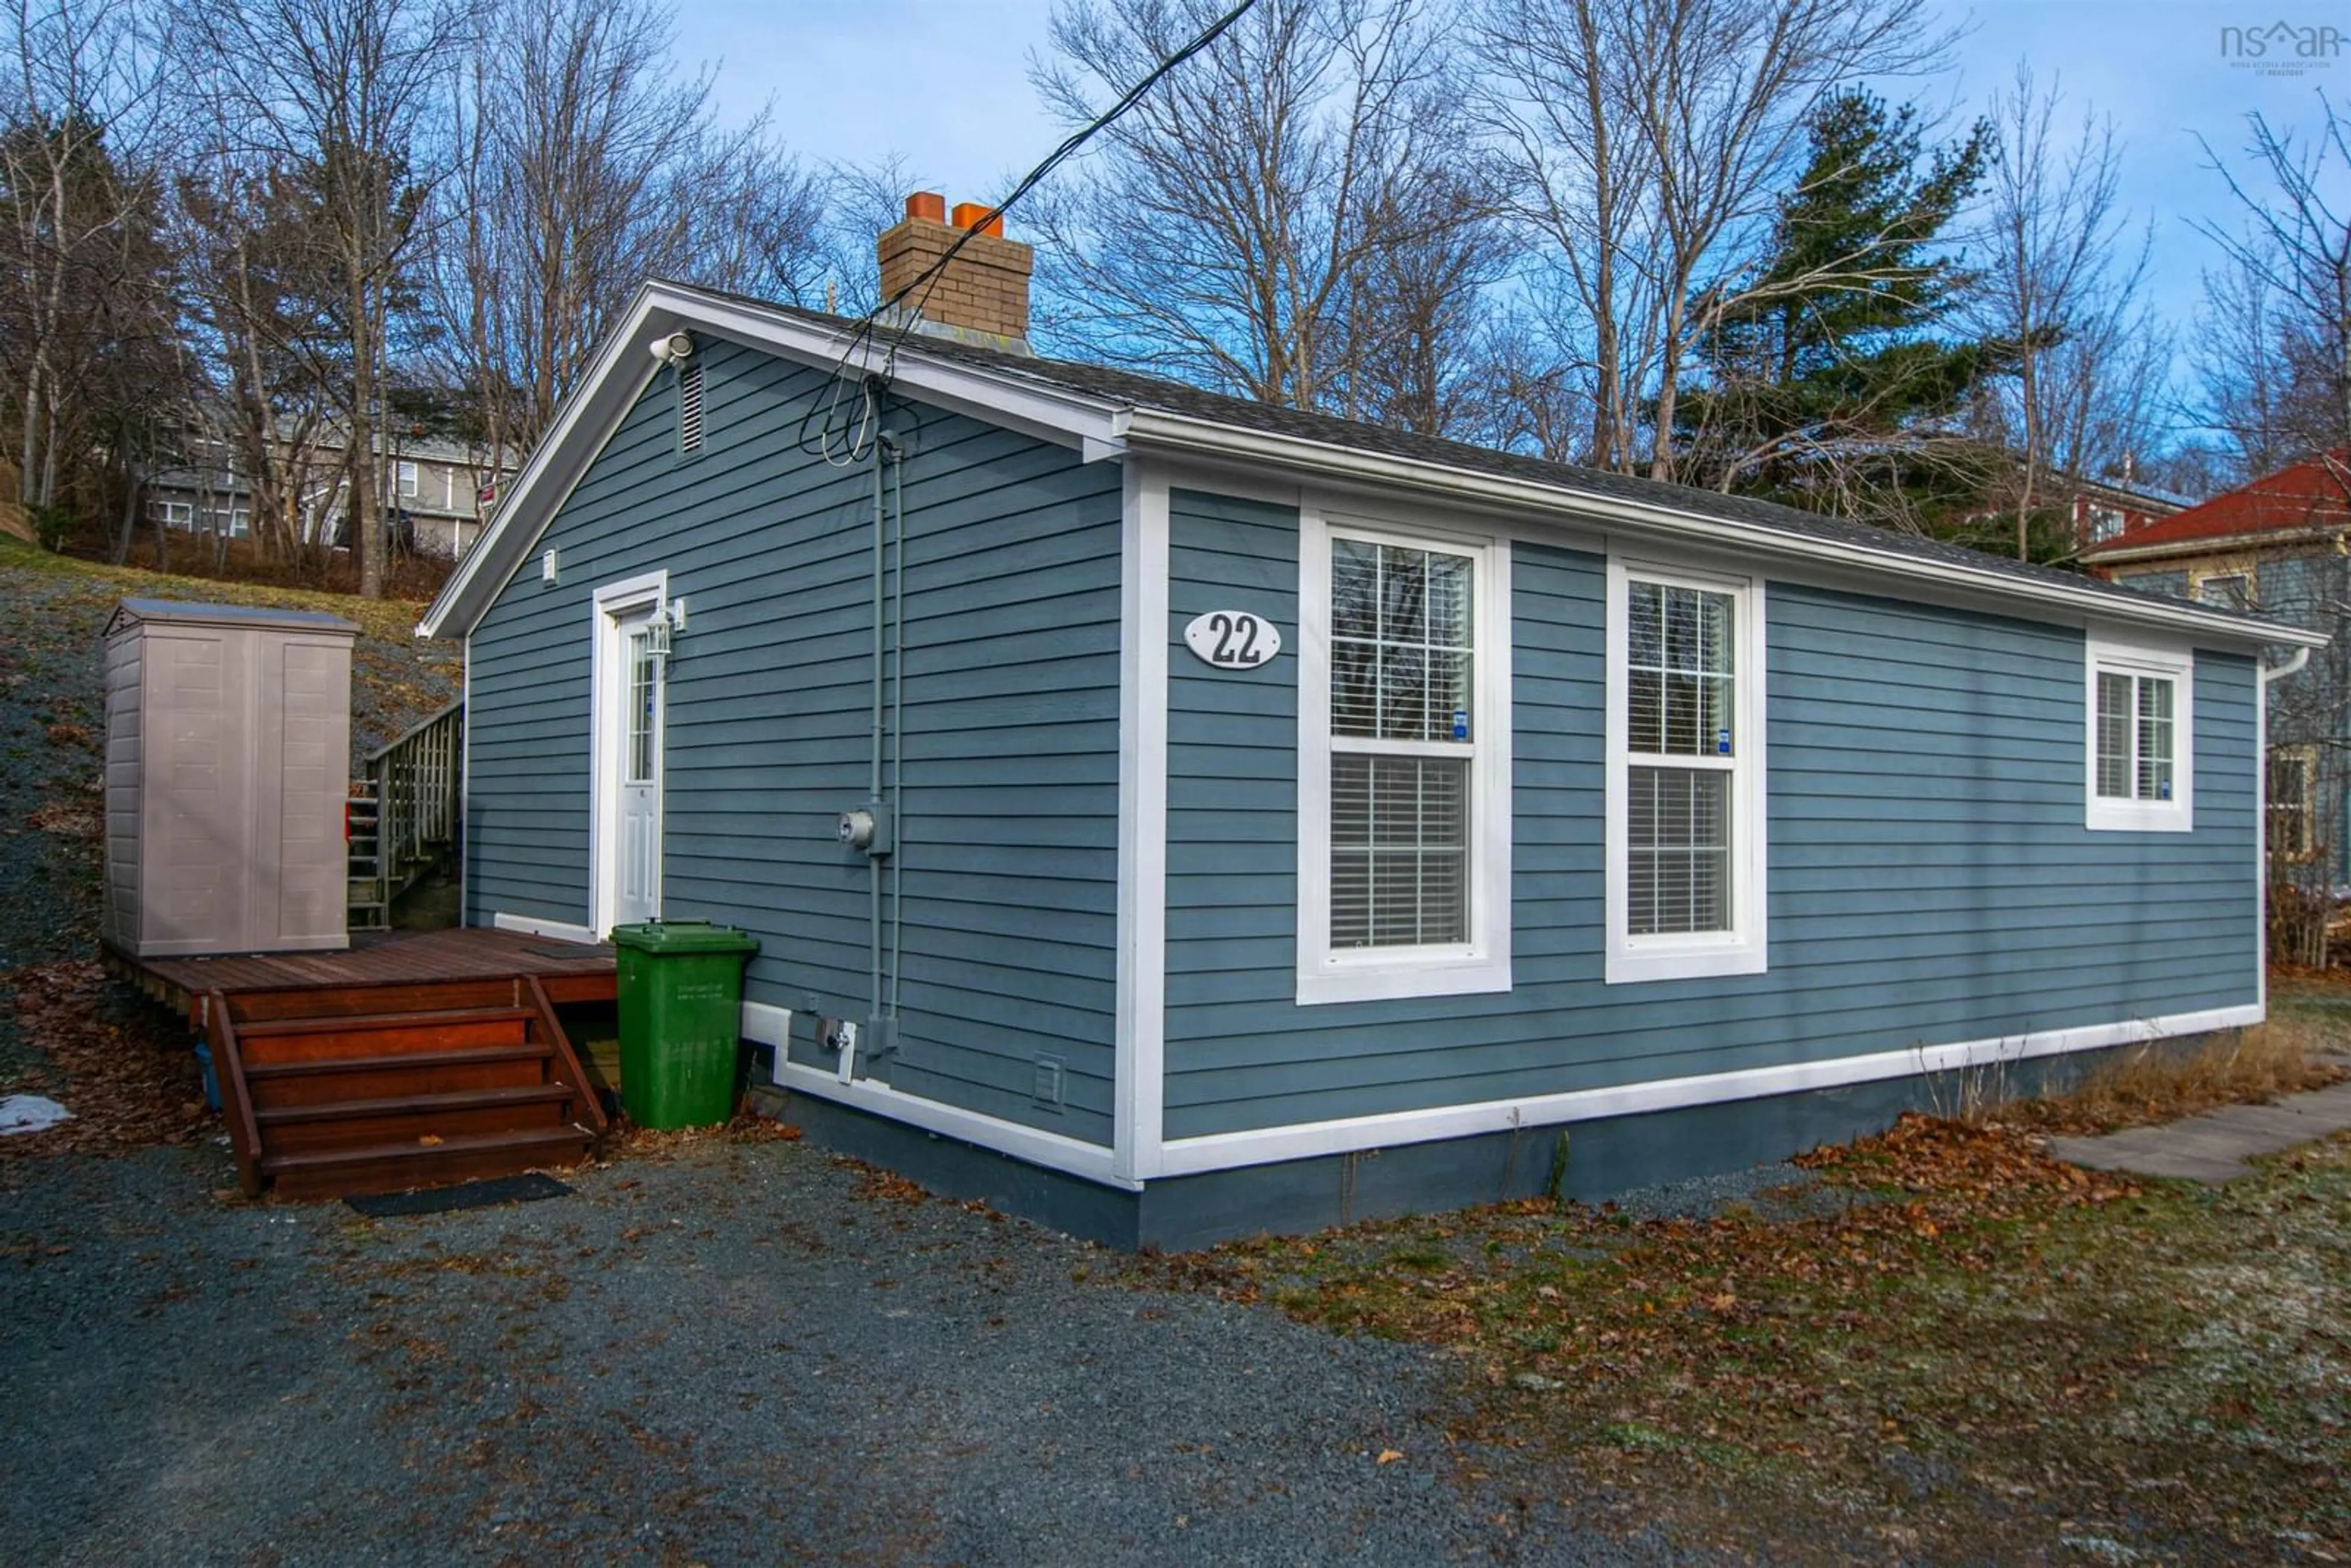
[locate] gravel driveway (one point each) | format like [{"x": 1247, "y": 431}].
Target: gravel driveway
[
  {"x": 732, "y": 1352},
  {"x": 725, "y": 1353}
]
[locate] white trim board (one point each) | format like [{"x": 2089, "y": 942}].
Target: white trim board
[
  {"x": 766, "y": 1024},
  {"x": 1143, "y": 633},
  {"x": 465, "y": 782},
  {"x": 1923, "y": 579},
  {"x": 1227, "y": 1151},
  {"x": 532, "y": 926},
  {"x": 1051, "y": 1150}
]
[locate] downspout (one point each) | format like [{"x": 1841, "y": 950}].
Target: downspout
[
  {"x": 897, "y": 719},
  {"x": 873, "y": 775},
  {"x": 2272, "y": 672}
]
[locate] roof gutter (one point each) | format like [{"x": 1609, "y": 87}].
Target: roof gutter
[{"x": 1178, "y": 433}]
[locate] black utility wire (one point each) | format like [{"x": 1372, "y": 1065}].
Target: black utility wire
[{"x": 862, "y": 334}]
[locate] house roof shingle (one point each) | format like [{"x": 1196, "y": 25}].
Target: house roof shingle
[
  {"x": 1190, "y": 419},
  {"x": 1132, "y": 390}
]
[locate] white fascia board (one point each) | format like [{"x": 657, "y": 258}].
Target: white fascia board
[
  {"x": 1269, "y": 1145},
  {"x": 1053, "y": 414},
  {"x": 621, "y": 369},
  {"x": 1150, "y": 429}
]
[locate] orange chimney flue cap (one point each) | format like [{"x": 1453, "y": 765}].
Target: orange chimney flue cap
[
  {"x": 928, "y": 204},
  {"x": 969, "y": 212}
]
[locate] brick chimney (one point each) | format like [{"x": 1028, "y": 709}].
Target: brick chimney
[{"x": 982, "y": 297}]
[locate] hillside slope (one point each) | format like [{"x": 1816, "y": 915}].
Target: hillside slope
[{"x": 53, "y": 615}]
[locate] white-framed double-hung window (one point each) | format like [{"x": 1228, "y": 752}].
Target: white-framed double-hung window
[
  {"x": 2141, "y": 751},
  {"x": 1404, "y": 762},
  {"x": 1687, "y": 857}
]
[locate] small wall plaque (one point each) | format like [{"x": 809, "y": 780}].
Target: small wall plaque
[{"x": 1232, "y": 638}]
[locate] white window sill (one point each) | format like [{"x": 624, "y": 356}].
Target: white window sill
[
  {"x": 2138, "y": 817},
  {"x": 1393, "y": 977},
  {"x": 1631, "y": 962}
]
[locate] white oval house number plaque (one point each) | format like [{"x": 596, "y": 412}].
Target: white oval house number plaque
[{"x": 1233, "y": 639}]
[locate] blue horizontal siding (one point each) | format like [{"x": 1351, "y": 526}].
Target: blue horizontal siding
[
  {"x": 1009, "y": 832},
  {"x": 1930, "y": 877}
]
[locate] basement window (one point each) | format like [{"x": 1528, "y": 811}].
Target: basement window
[
  {"x": 2141, "y": 751},
  {"x": 689, "y": 408}
]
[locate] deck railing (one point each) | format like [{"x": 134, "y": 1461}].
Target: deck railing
[{"x": 418, "y": 786}]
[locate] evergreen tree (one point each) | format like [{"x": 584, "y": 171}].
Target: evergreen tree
[{"x": 1830, "y": 377}]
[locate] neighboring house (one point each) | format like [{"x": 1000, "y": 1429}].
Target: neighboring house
[
  {"x": 2105, "y": 509},
  {"x": 1172, "y": 817},
  {"x": 2280, "y": 545},
  {"x": 441, "y": 492}
]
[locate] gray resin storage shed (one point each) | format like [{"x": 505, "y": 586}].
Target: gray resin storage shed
[{"x": 227, "y": 756}]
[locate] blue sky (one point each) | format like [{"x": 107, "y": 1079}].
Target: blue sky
[{"x": 946, "y": 83}]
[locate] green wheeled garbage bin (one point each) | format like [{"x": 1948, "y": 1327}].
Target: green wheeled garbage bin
[{"x": 681, "y": 1013}]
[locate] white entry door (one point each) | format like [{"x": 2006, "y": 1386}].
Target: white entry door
[
  {"x": 629, "y": 700},
  {"x": 636, "y": 892}
]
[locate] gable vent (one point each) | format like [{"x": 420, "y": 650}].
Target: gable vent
[{"x": 689, "y": 406}]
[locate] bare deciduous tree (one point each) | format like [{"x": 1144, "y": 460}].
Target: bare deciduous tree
[
  {"x": 584, "y": 165},
  {"x": 344, "y": 92},
  {"x": 1652, "y": 139},
  {"x": 2275, "y": 343},
  {"x": 86, "y": 314},
  {"x": 262, "y": 289},
  {"x": 1226, "y": 231},
  {"x": 2060, "y": 288}
]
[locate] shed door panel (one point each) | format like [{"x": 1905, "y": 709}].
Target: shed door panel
[
  {"x": 196, "y": 806},
  {"x": 311, "y": 761}
]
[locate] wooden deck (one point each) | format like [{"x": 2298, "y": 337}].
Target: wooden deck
[{"x": 568, "y": 971}]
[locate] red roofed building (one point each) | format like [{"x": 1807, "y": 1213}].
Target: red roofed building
[{"x": 2287, "y": 511}]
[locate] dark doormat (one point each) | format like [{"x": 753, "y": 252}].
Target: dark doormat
[{"x": 528, "y": 1187}]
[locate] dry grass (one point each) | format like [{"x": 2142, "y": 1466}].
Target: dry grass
[
  {"x": 1969, "y": 1352},
  {"x": 2138, "y": 1088}
]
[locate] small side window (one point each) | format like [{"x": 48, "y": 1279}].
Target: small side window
[
  {"x": 2228, "y": 590},
  {"x": 2141, "y": 745}
]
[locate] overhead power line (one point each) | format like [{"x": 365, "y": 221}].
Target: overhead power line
[{"x": 920, "y": 288}]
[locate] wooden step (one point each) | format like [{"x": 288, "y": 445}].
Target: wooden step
[
  {"x": 389, "y": 998},
  {"x": 424, "y": 1036},
  {"x": 329, "y": 1079},
  {"x": 390, "y": 1077},
  {"x": 405, "y": 1165},
  {"x": 406, "y": 1117},
  {"x": 348, "y": 1023},
  {"x": 530, "y": 1049},
  {"x": 462, "y": 1099}
]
